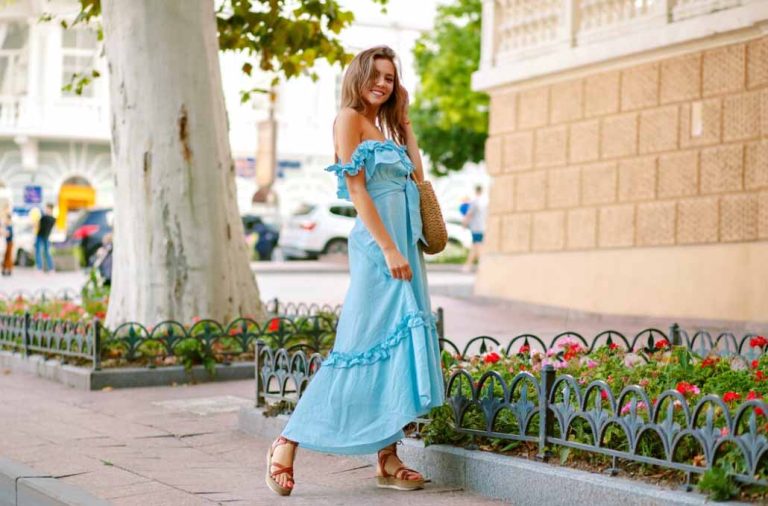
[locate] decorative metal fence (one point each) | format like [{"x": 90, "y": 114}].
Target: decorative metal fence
[
  {"x": 702, "y": 342},
  {"x": 294, "y": 327},
  {"x": 547, "y": 410}
]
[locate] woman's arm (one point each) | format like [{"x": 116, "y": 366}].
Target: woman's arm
[
  {"x": 412, "y": 144},
  {"x": 348, "y": 131}
]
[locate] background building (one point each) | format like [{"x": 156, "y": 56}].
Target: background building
[
  {"x": 629, "y": 153},
  {"x": 54, "y": 144}
]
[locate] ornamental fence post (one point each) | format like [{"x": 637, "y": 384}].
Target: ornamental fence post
[
  {"x": 440, "y": 324},
  {"x": 25, "y": 335},
  {"x": 96, "y": 344},
  {"x": 546, "y": 419},
  {"x": 674, "y": 335},
  {"x": 258, "y": 346}
]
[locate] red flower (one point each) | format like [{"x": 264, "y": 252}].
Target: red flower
[
  {"x": 522, "y": 368},
  {"x": 661, "y": 344},
  {"x": 100, "y": 314},
  {"x": 709, "y": 362},
  {"x": 687, "y": 389},
  {"x": 604, "y": 395},
  {"x": 274, "y": 325},
  {"x": 751, "y": 396},
  {"x": 613, "y": 346},
  {"x": 492, "y": 358},
  {"x": 758, "y": 341},
  {"x": 755, "y": 364},
  {"x": 526, "y": 348},
  {"x": 759, "y": 375},
  {"x": 731, "y": 396}
]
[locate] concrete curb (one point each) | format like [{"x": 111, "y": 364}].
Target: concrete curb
[
  {"x": 506, "y": 478},
  {"x": 83, "y": 378},
  {"x": 23, "y": 486}
]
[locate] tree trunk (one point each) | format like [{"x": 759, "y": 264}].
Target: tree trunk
[{"x": 178, "y": 240}]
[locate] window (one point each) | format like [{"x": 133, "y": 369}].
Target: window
[
  {"x": 14, "y": 37},
  {"x": 346, "y": 211},
  {"x": 78, "y": 50}
]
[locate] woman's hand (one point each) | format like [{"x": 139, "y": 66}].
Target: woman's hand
[{"x": 397, "y": 264}]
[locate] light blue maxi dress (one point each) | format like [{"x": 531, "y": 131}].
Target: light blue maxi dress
[{"x": 384, "y": 368}]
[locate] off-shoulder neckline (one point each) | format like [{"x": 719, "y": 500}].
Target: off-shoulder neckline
[{"x": 370, "y": 141}]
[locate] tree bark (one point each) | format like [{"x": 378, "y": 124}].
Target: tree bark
[{"x": 178, "y": 239}]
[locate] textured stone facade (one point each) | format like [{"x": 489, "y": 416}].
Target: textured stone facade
[{"x": 671, "y": 152}]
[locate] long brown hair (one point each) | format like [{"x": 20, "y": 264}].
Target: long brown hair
[{"x": 359, "y": 75}]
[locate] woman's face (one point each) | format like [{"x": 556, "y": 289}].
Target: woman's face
[{"x": 383, "y": 83}]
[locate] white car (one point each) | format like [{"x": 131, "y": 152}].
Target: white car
[
  {"x": 317, "y": 229},
  {"x": 324, "y": 228}
]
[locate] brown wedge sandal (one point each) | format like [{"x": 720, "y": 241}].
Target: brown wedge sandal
[
  {"x": 279, "y": 468},
  {"x": 401, "y": 479}
]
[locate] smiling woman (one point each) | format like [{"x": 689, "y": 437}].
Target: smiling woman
[{"x": 384, "y": 368}]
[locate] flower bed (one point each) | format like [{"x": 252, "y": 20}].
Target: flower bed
[
  {"x": 664, "y": 411},
  {"x": 64, "y": 329}
]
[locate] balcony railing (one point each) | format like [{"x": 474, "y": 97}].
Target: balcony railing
[{"x": 561, "y": 34}]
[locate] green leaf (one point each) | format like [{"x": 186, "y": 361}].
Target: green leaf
[{"x": 450, "y": 118}]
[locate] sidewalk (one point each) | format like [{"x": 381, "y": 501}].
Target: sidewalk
[{"x": 173, "y": 446}]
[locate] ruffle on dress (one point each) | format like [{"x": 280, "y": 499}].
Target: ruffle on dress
[
  {"x": 383, "y": 349},
  {"x": 371, "y": 155}
]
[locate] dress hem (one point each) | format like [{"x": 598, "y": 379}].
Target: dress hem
[{"x": 365, "y": 448}]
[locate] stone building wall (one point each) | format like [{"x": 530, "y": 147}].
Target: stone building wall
[{"x": 667, "y": 154}]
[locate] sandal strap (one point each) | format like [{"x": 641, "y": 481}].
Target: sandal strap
[
  {"x": 384, "y": 454},
  {"x": 404, "y": 470},
  {"x": 282, "y": 470}
]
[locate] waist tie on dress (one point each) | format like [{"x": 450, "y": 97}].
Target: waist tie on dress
[{"x": 378, "y": 189}]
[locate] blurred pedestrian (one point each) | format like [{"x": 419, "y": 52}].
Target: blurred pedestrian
[
  {"x": 103, "y": 260},
  {"x": 42, "y": 242},
  {"x": 475, "y": 221},
  {"x": 7, "y": 229}
]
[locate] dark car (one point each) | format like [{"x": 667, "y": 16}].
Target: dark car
[
  {"x": 89, "y": 229},
  {"x": 267, "y": 234}
]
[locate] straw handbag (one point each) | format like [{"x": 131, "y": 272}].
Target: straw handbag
[{"x": 432, "y": 221}]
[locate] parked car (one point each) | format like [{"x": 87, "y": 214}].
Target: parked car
[
  {"x": 267, "y": 235},
  {"x": 318, "y": 229},
  {"x": 89, "y": 229},
  {"x": 324, "y": 228}
]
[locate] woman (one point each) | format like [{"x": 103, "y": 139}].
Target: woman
[{"x": 384, "y": 369}]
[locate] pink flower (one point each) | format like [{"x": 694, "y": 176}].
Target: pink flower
[
  {"x": 639, "y": 406},
  {"x": 632, "y": 359},
  {"x": 724, "y": 432}
]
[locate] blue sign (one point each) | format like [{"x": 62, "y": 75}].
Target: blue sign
[{"x": 33, "y": 194}]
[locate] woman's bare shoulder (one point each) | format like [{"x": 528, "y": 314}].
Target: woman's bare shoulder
[
  {"x": 348, "y": 118},
  {"x": 348, "y": 128}
]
